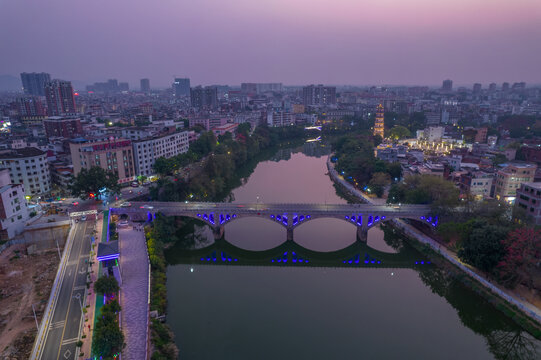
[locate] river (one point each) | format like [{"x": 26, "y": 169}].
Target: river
[{"x": 383, "y": 301}]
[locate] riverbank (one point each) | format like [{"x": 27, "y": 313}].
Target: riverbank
[{"x": 531, "y": 319}]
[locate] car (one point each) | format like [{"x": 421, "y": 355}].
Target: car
[
  {"x": 123, "y": 223},
  {"x": 75, "y": 203},
  {"x": 146, "y": 207},
  {"x": 83, "y": 218},
  {"x": 135, "y": 184},
  {"x": 126, "y": 204}
]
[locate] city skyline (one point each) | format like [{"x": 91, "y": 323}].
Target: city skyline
[{"x": 412, "y": 42}]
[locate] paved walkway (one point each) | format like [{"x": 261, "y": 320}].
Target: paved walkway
[
  {"x": 134, "y": 266},
  {"x": 525, "y": 306}
]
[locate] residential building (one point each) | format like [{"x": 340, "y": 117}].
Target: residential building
[
  {"x": 434, "y": 133},
  {"x": 27, "y": 166},
  {"x": 145, "y": 85},
  {"x": 13, "y": 209},
  {"x": 57, "y": 126},
  {"x": 146, "y": 151},
  {"x": 60, "y": 98},
  {"x": 34, "y": 83},
  {"x": 529, "y": 198},
  {"x": 111, "y": 154},
  {"x": 481, "y": 135},
  {"x": 319, "y": 95},
  {"x": 181, "y": 87},
  {"x": 204, "y": 97},
  {"x": 476, "y": 88},
  {"x": 477, "y": 183},
  {"x": 509, "y": 178}
]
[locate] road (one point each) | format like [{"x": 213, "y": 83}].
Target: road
[
  {"x": 348, "y": 209},
  {"x": 62, "y": 333}
]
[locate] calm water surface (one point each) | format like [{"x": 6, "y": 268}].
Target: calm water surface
[{"x": 298, "y": 312}]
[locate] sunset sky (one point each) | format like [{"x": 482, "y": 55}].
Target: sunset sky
[{"x": 353, "y": 42}]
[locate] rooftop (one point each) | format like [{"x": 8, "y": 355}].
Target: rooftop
[{"x": 21, "y": 153}]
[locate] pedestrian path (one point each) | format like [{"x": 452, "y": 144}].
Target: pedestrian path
[{"x": 135, "y": 270}]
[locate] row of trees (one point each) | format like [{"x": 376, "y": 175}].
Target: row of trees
[
  {"x": 108, "y": 339},
  {"x": 221, "y": 164}
]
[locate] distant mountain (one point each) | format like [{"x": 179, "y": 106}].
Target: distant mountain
[{"x": 10, "y": 83}]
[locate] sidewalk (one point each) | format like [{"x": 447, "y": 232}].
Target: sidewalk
[
  {"x": 525, "y": 306},
  {"x": 134, "y": 265}
]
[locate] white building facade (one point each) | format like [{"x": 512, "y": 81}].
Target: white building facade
[
  {"x": 29, "y": 167},
  {"x": 146, "y": 151},
  {"x": 13, "y": 208}
]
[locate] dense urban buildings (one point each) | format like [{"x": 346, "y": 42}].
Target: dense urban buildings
[
  {"x": 34, "y": 83},
  {"x": 60, "y": 98}
]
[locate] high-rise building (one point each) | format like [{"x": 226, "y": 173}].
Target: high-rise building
[
  {"x": 123, "y": 86},
  {"x": 181, "y": 87},
  {"x": 30, "y": 106},
  {"x": 204, "y": 97},
  {"x": 447, "y": 85},
  {"x": 145, "y": 85},
  {"x": 34, "y": 83},
  {"x": 379, "y": 125},
  {"x": 505, "y": 86},
  {"x": 492, "y": 87},
  {"x": 476, "y": 88},
  {"x": 319, "y": 95},
  {"x": 60, "y": 99}
]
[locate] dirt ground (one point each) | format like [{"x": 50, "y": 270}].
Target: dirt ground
[{"x": 24, "y": 280}]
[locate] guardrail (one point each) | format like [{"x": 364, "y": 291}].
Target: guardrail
[{"x": 55, "y": 290}]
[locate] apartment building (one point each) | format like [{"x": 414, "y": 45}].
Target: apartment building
[
  {"x": 13, "y": 208},
  {"x": 146, "y": 151},
  {"x": 27, "y": 166},
  {"x": 111, "y": 154},
  {"x": 509, "y": 178},
  {"x": 529, "y": 198}
]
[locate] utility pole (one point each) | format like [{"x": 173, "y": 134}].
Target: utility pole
[{"x": 35, "y": 317}]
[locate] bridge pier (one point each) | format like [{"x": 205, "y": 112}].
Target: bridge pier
[
  {"x": 289, "y": 234},
  {"x": 362, "y": 234},
  {"x": 218, "y": 232}
]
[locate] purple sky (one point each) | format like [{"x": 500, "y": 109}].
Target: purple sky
[{"x": 290, "y": 41}]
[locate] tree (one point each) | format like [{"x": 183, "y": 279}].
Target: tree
[
  {"x": 399, "y": 132},
  {"x": 483, "y": 247},
  {"x": 378, "y": 183},
  {"x": 163, "y": 166},
  {"x": 522, "y": 257},
  {"x": 90, "y": 181},
  {"x": 106, "y": 285}
]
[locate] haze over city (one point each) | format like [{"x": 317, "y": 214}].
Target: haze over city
[{"x": 295, "y": 42}]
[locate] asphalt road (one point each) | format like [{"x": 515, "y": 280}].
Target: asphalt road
[{"x": 62, "y": 334}]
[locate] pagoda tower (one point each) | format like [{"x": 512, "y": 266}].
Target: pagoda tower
[{"x": 379, "y": 126}]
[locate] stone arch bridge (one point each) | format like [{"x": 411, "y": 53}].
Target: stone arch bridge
[{"x": 290, "y": 216}]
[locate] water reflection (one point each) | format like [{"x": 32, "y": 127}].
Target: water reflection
[{"x": 333, "y": 300}]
